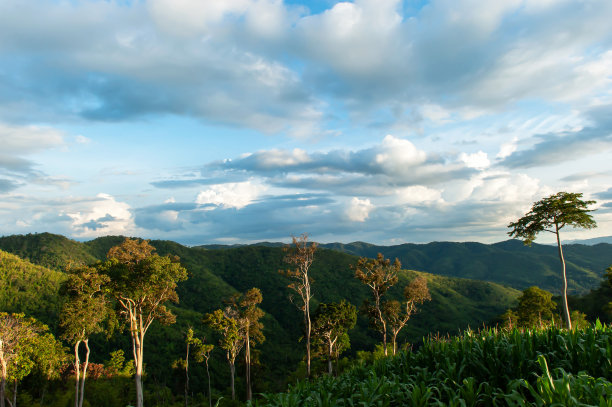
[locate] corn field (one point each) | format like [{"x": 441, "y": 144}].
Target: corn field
[{"x": 550, "y": 367}]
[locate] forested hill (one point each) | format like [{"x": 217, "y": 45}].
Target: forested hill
[
  {"x": 216, "y": 274},
  {"x": 509, "y": 263}
]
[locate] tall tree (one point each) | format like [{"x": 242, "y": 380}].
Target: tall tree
[
  {"x": 142, "y": 282},
  {"x": 398, "y": 314},
  {"x": 251, "y": 328},
  {"x": 226, "y": 323},
  {"x": 331, "y": 323},
  {"x": 301, "y": 255},
  {"x": 552, "y": 214},
  {"x": 82, "y": 316},
  {"x": 202, "y": 354},
  {"x": 380, "y": 275}
]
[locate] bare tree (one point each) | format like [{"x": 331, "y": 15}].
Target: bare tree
[{"x": 301, "y": 255}]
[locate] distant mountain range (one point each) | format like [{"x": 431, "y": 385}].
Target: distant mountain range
[
  {"x": 590, "y": 242},
  {"x": 509, "y": 262}
]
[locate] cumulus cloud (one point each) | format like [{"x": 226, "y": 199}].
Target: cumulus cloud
[
  {"x": 478, "y": 160},
  {"x": 231, "y": 195},
  {"x": 359, "y": 210},
  {"x": 99, "y": 217}
]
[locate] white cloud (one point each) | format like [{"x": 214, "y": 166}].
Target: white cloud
[
  {"x": 507, "y": 149},
  {"x": 359, "y": 210},
  {"x": 99, "y": 217},
  {"x": 478, "y": 160},
  {"x": 28, "y": 139},
  {"x": 417, "y": 194},
  {"x": 397, "y": 155},
  {"x": 231, "y": 195}
]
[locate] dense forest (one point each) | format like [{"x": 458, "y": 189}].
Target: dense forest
[{"x": 35, "y": 269}]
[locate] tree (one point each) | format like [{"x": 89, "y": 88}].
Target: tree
[
  {"x": 226, "y": 323},
  {"x": 24, "y": 345},
  {"x": 535, "y": 307},
  {"x": 301, "y": 254},
  {"x": 249, "y": 314},
  {"x": 82, "y": 315},
  {"x": 552, "y": 214},
  {"x": 380, "y": 275},
  {"x": 142, "y": 282},
  {"x": 202, "y": 354},
  {"x": 415, "y": 293},
  {"x": 331, "y": 323}
]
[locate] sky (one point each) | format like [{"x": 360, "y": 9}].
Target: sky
[{"x": 237, "y": 121}]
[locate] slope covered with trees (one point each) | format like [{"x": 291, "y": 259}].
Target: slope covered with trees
[
  {"x": 509, "y": 262},
  {"x": 216, "y": 275}
]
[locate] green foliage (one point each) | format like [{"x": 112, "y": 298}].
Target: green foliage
[
  {"x": 535, "y": 308},
  {"x": 29, "y": 288},
  {"x": 331, "y": 323},
  {"x": 552, "y": 214},
  {"x": 510, "y": 263},
  {"x": 490, "y": 367}
]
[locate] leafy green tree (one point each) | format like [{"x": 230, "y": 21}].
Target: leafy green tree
[
  {"x": 301, "y": 255},
  {"x": 552, "y": 214},
  {"x": 380, "y": 275},
  {"x": 226, "y": 323},
  {"x": 25, "y": 345},
  {"x": 202, "y": 353},
  {"x": 82, "y": 316},
  {"x": 331, "y": 323},
  {"x": 398, "y": 314},
  {"x": 142, "y": 282},
  {"x": 249, "y": 314},
  {"x": 535, "y": 307}
]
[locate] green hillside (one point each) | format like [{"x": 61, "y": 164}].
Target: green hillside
[
  {"x": 29, "y": 288},
  {"x": 508, "y": 263},
  {"x": 216, "y": 274}
]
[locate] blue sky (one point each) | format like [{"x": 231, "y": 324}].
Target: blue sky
[{"x": 387, "y": 121}]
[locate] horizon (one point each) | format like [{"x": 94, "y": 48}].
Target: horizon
[
  {"x": 383, "y": 121},
  {"x": 606, "y": 240}
]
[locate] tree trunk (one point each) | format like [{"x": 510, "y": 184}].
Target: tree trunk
[
  {"x": 209, "y": 393},
  {"x": 14, "y": 404},
  {"x": 138, "y": 352},
  {"x": 77, "y": 373},
  {"x": 308, "y": 326},
  {"x": 395, "y": 342},
  {"x": 566, "y": 313},
  {"x": 187, "y": 376},
  {"x": 3, "y": 380},
  {"x": 330, "y": 352},
  {"x": 384, "y": 332},
  {"x": 232, "y": 371},
  {"x": 82, "y": 393},
  {"x": 247, "y": 360}
]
